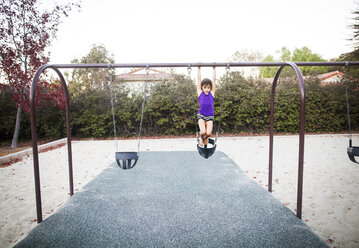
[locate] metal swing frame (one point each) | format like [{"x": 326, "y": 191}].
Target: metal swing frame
[{"x": 281, "y": 65}]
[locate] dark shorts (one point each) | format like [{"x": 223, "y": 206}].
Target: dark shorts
[{"x": 205, "y": 118}]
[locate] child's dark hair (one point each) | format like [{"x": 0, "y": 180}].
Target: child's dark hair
[{"x": 206, "y": 81}]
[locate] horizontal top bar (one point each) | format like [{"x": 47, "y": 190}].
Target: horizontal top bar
[{"x": 231, "y": 64}]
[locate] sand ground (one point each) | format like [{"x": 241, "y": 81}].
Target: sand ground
[{"x": 330, "y": 191}]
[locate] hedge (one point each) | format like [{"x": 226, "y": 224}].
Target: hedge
[{"x": 169, "y": 110}]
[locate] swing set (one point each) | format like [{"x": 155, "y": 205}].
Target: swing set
[{"x": 127, "y": 160}]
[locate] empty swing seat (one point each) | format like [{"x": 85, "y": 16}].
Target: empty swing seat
[
  {"x": 352, "y": 152},
  {"x": 205, "y": 151},
  {"x": 126, "y": 160}
]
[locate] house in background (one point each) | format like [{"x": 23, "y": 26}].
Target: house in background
[
  {"x": 135, "y": 80},
  {"x": 333, "y": 77}
]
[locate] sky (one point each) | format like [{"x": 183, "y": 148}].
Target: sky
[{"x": 153, "y": 31}]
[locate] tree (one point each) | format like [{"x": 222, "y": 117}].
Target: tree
[
  {"x": 285, "y": 54},
  {"x": 82, "y": 79},
  {"x": 306, "y": 55},
  {"x": 353, "y": 55},
  {"x": 267, "y": 72},
  {"x": 303, "y": 54},
  {"x": 25, "y": 33},
  {"x": 90, "y": 91},
  {"x": 246, "y": 55}
]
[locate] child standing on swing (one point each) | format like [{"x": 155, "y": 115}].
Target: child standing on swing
[{"x": 205, "y": 91}]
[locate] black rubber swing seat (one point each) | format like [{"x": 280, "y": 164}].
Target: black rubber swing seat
[
  {"x": 352, "y": 152},
  {"x": 205, "y": 151},
  {"x": 126, "y": 160}
]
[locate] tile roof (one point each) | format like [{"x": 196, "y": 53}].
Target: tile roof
[
  {"x": 153, "y": 75},
  {"x": 325, "y": 78},
  {"x": 329, "y": 75}
]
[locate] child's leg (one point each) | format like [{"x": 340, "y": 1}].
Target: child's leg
[
  {"x": 202, "y": 131},
  {"x": 209, "y": 128}
]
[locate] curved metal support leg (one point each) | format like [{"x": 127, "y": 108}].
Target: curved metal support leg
[
  {"x": 271, "y": 128},
  {"x": 301, "y": 135},
  {"x": 34, "y": 135}
]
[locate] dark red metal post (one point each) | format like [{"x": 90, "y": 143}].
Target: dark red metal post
[
  {"x": 301, "y": 135},
  {"x": 68, "y": 130},
  {"x": 301, "y": 139},
  {"x": 34, "y": 136},
  {"x": 271, "y": 129}
]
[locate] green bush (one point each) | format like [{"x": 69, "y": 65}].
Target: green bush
[{"x": 169, "y": 110}]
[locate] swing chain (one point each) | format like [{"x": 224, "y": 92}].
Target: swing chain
[
  {"x": 227, "y": 69},
  {"x": 346, "y": 69},
  {"x": 189, "y": 70},
  {"x": 112, "y": 106},
  {"x": 143, "y": 107},
  {"x": 223, "y": 98}
]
